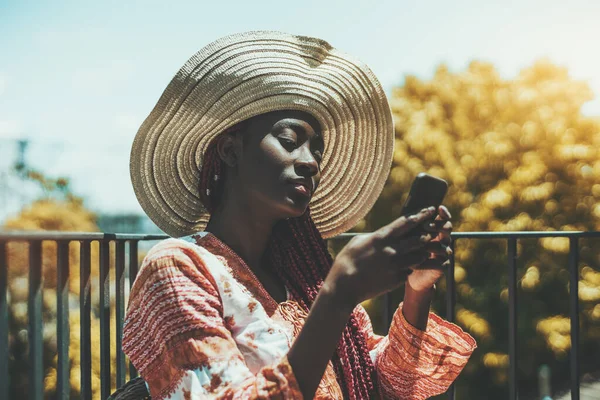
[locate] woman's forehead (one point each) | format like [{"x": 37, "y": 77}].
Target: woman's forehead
[{"x": 294, "y": 119}]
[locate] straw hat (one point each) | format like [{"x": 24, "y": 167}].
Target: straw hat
[{"x": 251, "y": 73}]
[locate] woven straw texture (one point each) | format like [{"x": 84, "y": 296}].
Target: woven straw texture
[{"x": 251, "y": 73}]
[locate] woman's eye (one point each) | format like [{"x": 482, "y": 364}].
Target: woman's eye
[{"x": 288, "y": 144}]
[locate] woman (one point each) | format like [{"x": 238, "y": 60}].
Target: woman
[{"x": 247, "y": 303}]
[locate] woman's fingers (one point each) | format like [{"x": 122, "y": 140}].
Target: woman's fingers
[
  {"x": 416, "y": 261},
  {"x": 437, "y": 226},
  {"x": 405, "y": 224},
  {"x": 439, "y": 248},
  {"x": 441, "y": 227},
  {"x": 411, "y": 260},
  {"x": 413, "y": 243},
  {"x": 438, "y": 262},
  {"x": 444, "y": 213}
]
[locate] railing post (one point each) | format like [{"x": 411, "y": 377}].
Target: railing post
[
  {"x": 512, "y": 317},
  {"x": 120, "y": 309},
  {"x": 450, "y": 303},
  {"x": 105, "y": 386},
  {"x": 388, "y": 312},
  {"x": 34, "y": 333},
  {"x": 450, "y": 287},
  {"x": 574, "y": 314},
  {"x": 62, "y": 320},
  {"x": 4, "y": 382},
  {"x": 133, "y": 270},
  {"x": 85, "y": 307}
]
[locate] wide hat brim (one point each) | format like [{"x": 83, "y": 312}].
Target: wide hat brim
[{"x": 252, "y": 73}]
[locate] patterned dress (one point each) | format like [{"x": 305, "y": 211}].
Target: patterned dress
[{"x": 199, "y": 325}]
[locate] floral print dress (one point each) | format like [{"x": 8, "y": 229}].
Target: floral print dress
[{"x": 199, "y": 325}]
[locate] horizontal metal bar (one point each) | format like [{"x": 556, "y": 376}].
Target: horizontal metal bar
[
  {"x": 500, "y": 235},
  {"x": 50, "y": 235},
  {"x": 524, "y": 234},
  {"x": 53, "y": 235}
]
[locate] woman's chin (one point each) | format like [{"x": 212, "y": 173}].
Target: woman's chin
[{"x": 296, "y": 207}]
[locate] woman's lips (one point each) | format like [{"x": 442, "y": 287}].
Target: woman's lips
[{"x": 301, "y": 189}]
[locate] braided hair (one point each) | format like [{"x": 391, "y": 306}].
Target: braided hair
[{"x": 298, "y": 255}]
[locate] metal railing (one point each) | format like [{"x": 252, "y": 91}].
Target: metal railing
[
  {"x": 34, "y": 308},
  {"x": 63, "y": 239}
]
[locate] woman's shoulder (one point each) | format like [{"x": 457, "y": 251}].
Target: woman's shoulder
[
  {"x": 185, "y": 247},
  {"x": 176, "y": 255},
  {"x": 176, "y": 263}
]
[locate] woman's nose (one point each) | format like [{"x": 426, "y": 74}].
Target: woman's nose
[{"x": 306, "y": 163}]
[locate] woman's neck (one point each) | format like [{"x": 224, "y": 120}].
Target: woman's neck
[{"x": 244, "y": 232}]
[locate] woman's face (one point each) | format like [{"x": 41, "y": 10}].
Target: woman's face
[{"x": 278, "y": 165}]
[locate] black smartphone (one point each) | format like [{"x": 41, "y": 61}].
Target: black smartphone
[{"x": 425, "y": 191}]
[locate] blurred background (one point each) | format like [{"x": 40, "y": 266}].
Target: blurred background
[{"x": 500, "y": 98}]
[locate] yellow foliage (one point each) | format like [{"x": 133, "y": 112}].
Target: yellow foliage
[
  {"x": 507, "y": 142},
  {"x": 531, "y": 279},
  {"x": 474, "y": 323},
  {"x": 459, "y": 273},
  {"x": 53, "y": 215},
  {"x": 555, "y": 244},
  {"x": 590, "y": 276},
  {"x": 556, "y": 330},
  {"x": 595, "y": 313},
  {"x": 495, "y": 360},
  {"x": 589, "y": 291},
  {"x": 518, "y": 156}
]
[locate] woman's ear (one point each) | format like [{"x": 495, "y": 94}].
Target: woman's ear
[{"x": 228, "y": 148}]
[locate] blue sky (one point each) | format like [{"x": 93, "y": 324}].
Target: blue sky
[{"x": 77, "y": 78}]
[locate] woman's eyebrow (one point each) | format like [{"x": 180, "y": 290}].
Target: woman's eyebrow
[
  {"x": 294, "y": 126},
  {"x": 302, "y": 130}
]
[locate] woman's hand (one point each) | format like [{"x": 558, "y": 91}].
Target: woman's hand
[
  {"x": 369, "y": 265},
  {"x": 374, "y": 263},
  {"x": 440, "y": 252}
]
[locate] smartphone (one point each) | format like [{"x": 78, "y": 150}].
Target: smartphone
[{"x": 425, "y": 191}]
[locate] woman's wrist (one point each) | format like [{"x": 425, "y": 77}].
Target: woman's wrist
[
  {"x": 319, "y": 337},
  {"x": 416, "y": 306},
  {"x": 333, "y": 294},
  {"x": 429, "y": 290}
]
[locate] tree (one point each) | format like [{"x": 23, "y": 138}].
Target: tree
[{"x": 518, "y": 155}]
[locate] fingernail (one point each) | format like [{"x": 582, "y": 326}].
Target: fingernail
[
  {"x": 425, "y": 238},
  {"x": 448, "y": 250},
  {"x": 447, "y": 212},
  {"x": 431, "y": 209}
]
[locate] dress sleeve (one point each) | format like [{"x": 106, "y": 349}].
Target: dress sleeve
[
  {"x": 412, "y": 364},
  {"x": 175, "y": 334}
]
